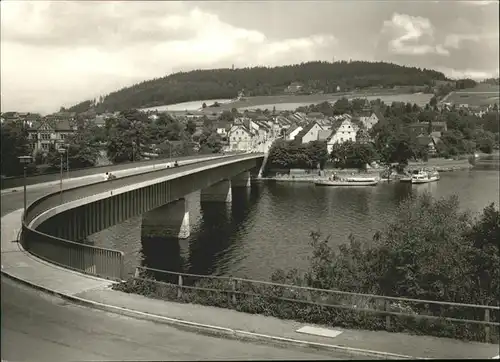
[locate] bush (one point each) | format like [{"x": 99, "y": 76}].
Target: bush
[{"x": 295, "y": 304}]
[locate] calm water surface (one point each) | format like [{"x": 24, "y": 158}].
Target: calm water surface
[{"x": 268, "y": 226}]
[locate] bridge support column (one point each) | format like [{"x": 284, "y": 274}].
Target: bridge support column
[
  {"x": 170, "y": 220},
  {"x": 241, "y": 180},
  {"x": 219, "y": 192}
]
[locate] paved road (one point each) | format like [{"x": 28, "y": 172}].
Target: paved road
[{"x": 36, "y": 326}]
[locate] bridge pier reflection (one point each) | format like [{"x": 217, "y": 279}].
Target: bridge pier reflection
[
  {"x": 218, "y": 192},
  {"x": 170, "y": 220}
]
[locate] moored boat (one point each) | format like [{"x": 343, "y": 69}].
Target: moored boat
[
  {"x": 424, "y": 177},
  {"x": 360, "y": 179},
  {"x": 368, "y": 182}
]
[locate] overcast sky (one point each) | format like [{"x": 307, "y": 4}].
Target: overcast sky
[{"x": 59, "y": 53}]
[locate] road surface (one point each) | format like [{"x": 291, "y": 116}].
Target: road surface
[{"x": 37, "y": 326}]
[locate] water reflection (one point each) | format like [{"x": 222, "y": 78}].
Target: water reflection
[{"x": 212, "y": 239}]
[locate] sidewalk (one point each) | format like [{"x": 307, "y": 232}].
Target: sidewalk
[{"x": 96, "y": 292}]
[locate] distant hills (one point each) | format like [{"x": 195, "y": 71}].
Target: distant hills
[{"x": 314, "y": 77}]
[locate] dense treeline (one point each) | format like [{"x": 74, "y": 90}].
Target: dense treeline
[{"x": 226, "y": 83}]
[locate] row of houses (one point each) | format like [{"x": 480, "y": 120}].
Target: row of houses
[{"x": 253, "y": 131}]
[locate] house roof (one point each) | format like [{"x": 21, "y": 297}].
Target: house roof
[
  {"x": 222, "y": 124},
  {"x": 262, "y": 124},
  {"x": 315, "y": 115},
  {"x": 305, "y": 130},
  {"x": 242, "y": 127},
  {"x": 442, "y": 124},
  {"x": 324, "y": 135},
  {"x": 291, "y": 129},
  {"x": 424, "y": 140},
  {"x": 99, "y": 120},
  {"x": 62, "y": 125}
]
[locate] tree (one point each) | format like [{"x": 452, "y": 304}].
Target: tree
[
  {"x": 191, "y": 127},
  {"x": 342, "y": 106},
  {"x": 14, "y": 143},
  {"x": 317, "y": 153},
  {"x": 453, "y": 141},
  {"x": 82, "y": 147},
  {"x": 210, "y": 141},
  {"x": 485, "y": 141},
  {"x": 353, "y": 155},
  {"x": 430, "y": 250},
  {"x": 433, "y": 101},
  {"x": 484, "y": 257},
  {"x": 126, "y": 135},
  {"x": 226, "y": 116}
]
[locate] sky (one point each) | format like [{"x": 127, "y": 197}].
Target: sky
[{"x": 59, "y": 53}]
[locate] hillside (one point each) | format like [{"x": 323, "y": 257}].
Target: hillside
[{"x": 259, "y": 81}]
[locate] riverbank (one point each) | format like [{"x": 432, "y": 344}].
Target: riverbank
[{"x": 439, "y": 164}]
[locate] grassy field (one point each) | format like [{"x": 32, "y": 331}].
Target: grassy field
[
  {"x": 482, "y": 95},
  {"x": 292, "y": 102}
]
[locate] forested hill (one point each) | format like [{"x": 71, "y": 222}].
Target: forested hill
[{"x": 226, "y": 83}]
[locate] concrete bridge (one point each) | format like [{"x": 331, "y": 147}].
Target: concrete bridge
[{"x": 56, "y": 225}]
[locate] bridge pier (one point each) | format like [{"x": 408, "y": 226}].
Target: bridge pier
[
  {"x": 219, "y": 192},
  {"x": 170, "y": 220},
  {"x": 242, "y": 180}
]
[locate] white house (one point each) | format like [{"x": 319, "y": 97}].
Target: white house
[
  {"x": 44, "y": 135},
  {"x": 342, "y": 132},
  {"x": 370, "y": 121},
  {"x": 222, "y": 128},
  {"x": 292, "y": 132},
  {"x": 309, "y": 133},
  {"x": 241, "y": 138}
]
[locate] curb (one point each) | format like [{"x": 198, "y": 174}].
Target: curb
[{"x": 210, "y": 329}]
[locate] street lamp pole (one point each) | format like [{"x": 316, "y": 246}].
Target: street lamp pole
[
  {"x": 67, "y": 161},
  {"x": 61, "y": 152},
  {"x": 24, "y": 160}
]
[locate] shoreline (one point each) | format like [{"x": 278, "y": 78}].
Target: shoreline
[{"x": 369, "y": 173}]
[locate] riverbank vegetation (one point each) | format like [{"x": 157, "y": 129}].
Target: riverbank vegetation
[{"x": 432, "y": 250}]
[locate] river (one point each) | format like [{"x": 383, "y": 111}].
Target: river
[{"x": 267, "y": 226}]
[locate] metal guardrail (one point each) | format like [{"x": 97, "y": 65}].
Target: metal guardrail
[
  {"x": 484, "y": 316},
  {"x": 89, "y": 259}
]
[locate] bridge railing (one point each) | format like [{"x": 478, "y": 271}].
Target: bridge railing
[
  {"x": 89, "y": 259},
  {"x": 324, "y": 306}
]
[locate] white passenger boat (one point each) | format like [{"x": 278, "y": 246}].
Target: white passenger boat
[
  {"x": 346, "y": 182},
  {"x": 424, "y": 177},
  {"x": 360, "y": 179}
]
